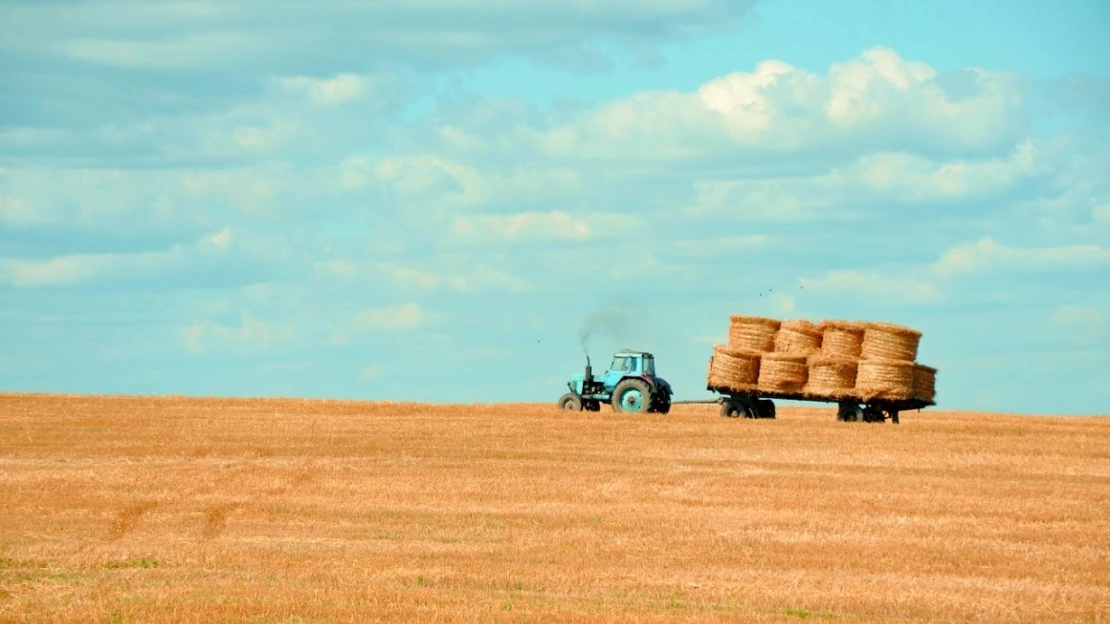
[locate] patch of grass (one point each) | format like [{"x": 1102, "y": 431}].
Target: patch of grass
[{"x": 142, "y": 562}]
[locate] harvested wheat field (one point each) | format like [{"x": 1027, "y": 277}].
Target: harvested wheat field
[{"x": 181, "y": 510}]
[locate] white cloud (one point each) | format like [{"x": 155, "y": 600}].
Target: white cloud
[
  {"x": 251, "y": 334},
  {"x": 55, "y": 271},
  {"x": 457, "y": 274},
  {"x": 337, "y": 268},
  {"x": 408, "y": 276},
  {"x": 986, "y": 254},
  {"x": 718, "y": 245},
  {"x": 220, "y": 240},
  {"x": 878, "y": 99},
  {"x": 1088, "y": 325},
  {"x": 888, "y": 178},
  {"x": 538, "y": 226},
  {"x": 337, "y": 336},
  {"x": 483, "y": 278},
  {"x": 372, "y": 372},
  {"x": 329, "y": 91},
  {"x": 402, "y": 317},
  {"x": 16, "y": 211},
  {"x": 906, "y": 289},
  {"x": 923, "y": 284},
  {"x": 77, "y": 268}
]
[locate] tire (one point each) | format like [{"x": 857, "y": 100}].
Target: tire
[
  {"x": 766, "y": 408},
  {"x": 570, "y": 402},
  {"x": 849, "y": 413},
  {"x": 632, "y": 395},
  {"x": 735, "y": 409},
  {"x": 662, "y": 404},
  {"x": 873, "y": 415}
]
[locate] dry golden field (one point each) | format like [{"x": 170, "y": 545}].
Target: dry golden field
[{"x": 189, "y": 510}]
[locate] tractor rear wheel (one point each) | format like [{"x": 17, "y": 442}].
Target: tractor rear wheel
[
  {"x": 570, "y": 402},
  {"x": 663, "y": 405},
  {"x": 632, "y": 395}
]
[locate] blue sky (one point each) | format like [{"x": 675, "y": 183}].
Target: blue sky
[{"x": 428, "y": 200}]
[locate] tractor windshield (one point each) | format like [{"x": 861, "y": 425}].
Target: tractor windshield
[{"x": 649, "y": 366}]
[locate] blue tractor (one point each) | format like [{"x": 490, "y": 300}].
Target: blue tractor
[{"x": 630, "y": 385}]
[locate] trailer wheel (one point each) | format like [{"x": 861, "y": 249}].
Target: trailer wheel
[
  {"x": 766, "y": 408},
  {"x": 570, "y": 402},
  {"x": 849, "y": 412},
  {"x": 736, "y": 409},
  {"x": 873, "y": 414}
]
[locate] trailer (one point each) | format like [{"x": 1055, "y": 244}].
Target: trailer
[
  {"x": 630, "y": 384},
  {"x": 850, "y": 408}
]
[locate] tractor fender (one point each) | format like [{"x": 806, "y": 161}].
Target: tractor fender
[{"x": 648, "y": 380}]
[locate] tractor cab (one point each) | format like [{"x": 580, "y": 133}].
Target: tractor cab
[{"x": 629, "y": 385}]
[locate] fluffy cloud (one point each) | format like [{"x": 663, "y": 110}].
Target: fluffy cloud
[
  {"x": 986, "y": 255},
  {"x": 878, "y": 101},
  {"x": 981, "y": 258}
]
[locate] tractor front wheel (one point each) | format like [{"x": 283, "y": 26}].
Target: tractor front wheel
[
  {"x": 632, "y": 395},
  {"x": 570, "y": 402}
]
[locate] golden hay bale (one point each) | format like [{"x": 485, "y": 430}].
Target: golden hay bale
[
  {"x": 733, "y": 369},
  {"x": 924, "y": 382},
  {"x": 885, "y": 379},
  {"x": 841, "y": 339},
  {"x": 782, "y": 372},
  {"x": 887, "y": 341},
  {"x": 799, "y": 337},
  {"x": 831, "y": 376},
  {"x": 752, "y": 333}
]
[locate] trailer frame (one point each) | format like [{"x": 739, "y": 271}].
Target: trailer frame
[{"x": 756, "y": 403}]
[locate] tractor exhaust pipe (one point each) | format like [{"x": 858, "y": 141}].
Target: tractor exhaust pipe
[{"x": 589, "y": 370}]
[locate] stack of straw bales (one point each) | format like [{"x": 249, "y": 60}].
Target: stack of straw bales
[{"x": 832, "y": 359}]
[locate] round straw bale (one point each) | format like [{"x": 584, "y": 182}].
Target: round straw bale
[
  {"x": 841, "y": 339},
  {"x": 887, "y": 341},
  {"x": 782, "y": 372},
  {"x": 752, "y": 333},
  {"x": 733, "y": 369},
  {"x": 831, "y": 377},
  {"x": 885, "y": 379},
  {"x": 799, "y": 337},
  {"x": 924, "y": 382}
]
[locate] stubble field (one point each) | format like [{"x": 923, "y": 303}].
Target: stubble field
[{"x": 189, "y": 510}]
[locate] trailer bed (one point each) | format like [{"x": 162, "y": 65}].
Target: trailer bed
[
  {"x": 901, "y": 405},
  {"x": 758, "y": 403}
]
